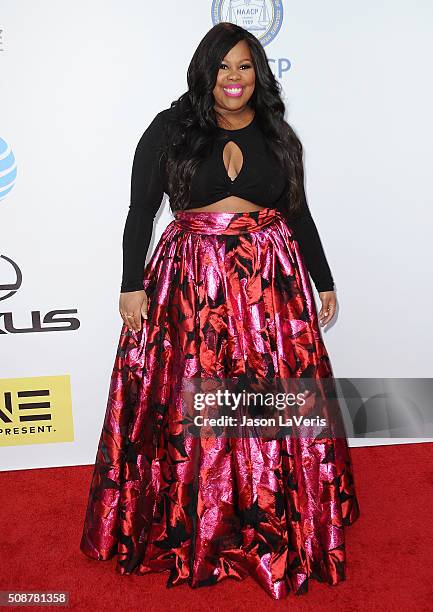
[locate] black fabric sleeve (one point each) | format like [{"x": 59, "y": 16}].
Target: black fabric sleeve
[
  {"x": 147, "y": 190},
  {"x": 305, "y": 232}
]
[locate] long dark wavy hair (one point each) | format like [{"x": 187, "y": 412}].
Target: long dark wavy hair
[{"x": 195, "y": 121}]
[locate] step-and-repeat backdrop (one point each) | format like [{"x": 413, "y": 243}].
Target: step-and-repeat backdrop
[{"x": 79, "y": 84}]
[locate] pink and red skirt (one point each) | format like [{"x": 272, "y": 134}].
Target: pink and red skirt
[{"x": 228, "y": 295}]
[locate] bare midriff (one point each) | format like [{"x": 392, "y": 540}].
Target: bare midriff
[{"x": 229, "y": 204}]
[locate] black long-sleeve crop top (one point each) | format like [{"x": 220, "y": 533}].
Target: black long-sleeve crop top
[{"x": 258, "y": 181}]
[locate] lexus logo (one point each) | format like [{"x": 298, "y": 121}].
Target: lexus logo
[{"x": 53, "y": 320}]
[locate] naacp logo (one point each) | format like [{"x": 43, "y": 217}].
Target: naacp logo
[
  {"x": 8, "y": 169},
  {"x": 263, "y": 18}
]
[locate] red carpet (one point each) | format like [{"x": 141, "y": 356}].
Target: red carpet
[{"x": 390, "y": 547}]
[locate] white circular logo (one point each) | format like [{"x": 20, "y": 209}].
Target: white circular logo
[{"x": 263, "y": 18}]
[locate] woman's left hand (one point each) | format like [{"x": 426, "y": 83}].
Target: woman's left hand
[{"x": 329, "y": 306}]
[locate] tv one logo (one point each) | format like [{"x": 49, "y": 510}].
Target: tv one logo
[
  {"x": 53, "y": 320},
  {"x": 36, "y": 410}
]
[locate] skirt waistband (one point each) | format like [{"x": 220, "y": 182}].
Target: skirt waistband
[{"x": 220, "y": 222}]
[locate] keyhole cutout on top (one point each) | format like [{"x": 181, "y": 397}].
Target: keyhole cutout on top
[{"x": 233, "y": 160}]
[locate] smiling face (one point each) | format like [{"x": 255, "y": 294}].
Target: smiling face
[{"x": 235, "y": 80}]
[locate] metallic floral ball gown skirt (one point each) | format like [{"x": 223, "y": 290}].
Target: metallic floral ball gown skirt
[{"x": 228, "y": 295}]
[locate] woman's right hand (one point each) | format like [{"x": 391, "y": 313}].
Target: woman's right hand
[{"x": 133, "y": 306}]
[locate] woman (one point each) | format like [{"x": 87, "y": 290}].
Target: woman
[{"x": 225, "y": 295}]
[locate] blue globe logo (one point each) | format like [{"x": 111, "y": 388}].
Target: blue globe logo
[
  {"x": 8, "y": 169},
  {"x": 263, "y": 18}
]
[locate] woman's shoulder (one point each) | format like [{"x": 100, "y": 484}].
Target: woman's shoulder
[
  {"x": 156, "y": 130},
  {"x": 159, "y": 127},
  {"x": 165, "y": 116}
]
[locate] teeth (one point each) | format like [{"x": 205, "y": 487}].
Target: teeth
[{"x": 233, "y": 89}]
